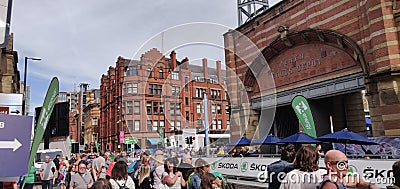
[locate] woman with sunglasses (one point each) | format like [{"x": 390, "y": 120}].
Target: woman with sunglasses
[{"x": 172, "y": 177}]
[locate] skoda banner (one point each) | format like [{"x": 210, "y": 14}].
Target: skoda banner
[{"x": 303, "y": 112}]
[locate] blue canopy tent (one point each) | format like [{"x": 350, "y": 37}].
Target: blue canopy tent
[
  {"x": 346, "y": 137},
  {"x": 240, "y": 142},
  {"x": 299, "y": 138},
  {"x": 269, "y": 139}
]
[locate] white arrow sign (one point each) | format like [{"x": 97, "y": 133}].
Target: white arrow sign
[{"x": 10, "y": 144}]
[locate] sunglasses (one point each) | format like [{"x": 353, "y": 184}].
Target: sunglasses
[{"x": 339, "y": 162}]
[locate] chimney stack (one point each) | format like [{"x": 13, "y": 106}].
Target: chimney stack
[
  {"x": 219, "y": 72},
  {"x": 205, "y": 69}
]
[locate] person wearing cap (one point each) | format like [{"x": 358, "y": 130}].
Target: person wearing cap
[
  {"x": 219, "y": 180},
  {"x": 201, "y": 167},
  {"x": 186, "y": 167}
]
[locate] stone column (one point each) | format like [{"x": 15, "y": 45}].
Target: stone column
[{"x": 384, "y": 105}]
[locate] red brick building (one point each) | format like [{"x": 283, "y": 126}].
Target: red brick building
[
  {"x": 139, "y": 97},
  {"x": 327, "y": 51}
]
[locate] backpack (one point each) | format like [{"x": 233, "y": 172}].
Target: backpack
[
  {"x": 123, "y": 186},
  {"x": 188, "y": 180}
]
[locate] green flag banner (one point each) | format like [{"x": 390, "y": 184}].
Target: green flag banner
[
  {"x": 45, "y": 113},
  {"x": 161, "y": 132},
  {"x": 303, "y": 112}
]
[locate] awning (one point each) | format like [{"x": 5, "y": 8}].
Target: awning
[
  {"x": 368, "y": 120},
  {"x": 154, "y": 141}
]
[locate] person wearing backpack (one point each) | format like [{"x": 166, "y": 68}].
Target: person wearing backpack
[{"x": 120, "y": 178}]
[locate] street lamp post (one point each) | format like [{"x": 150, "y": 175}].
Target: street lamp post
[{"x": 26, "y": 67}]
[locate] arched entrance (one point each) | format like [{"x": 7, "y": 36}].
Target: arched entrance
[{"x": 326, "y": 67}]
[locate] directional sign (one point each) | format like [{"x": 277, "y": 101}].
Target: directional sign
[
  {"x": 130, "y": 140},
  {"x": 12, "y": 101},
  {"x": 15, "y": 143}
]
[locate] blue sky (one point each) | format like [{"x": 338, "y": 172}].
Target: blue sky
[{"x": 78, "y": 40}]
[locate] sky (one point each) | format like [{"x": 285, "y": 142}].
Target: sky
[{"x": 79, "y": 40}]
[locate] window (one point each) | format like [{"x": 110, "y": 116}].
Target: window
[
  {"x": 155, "y": 89},
  {"x": 186, "y": 101},
  {"x": 178, "y": 125},
  {"x": 175, "y": 109},
  {"x": 175, "y": 90},
  {"x": 130, "y": 126},
  {"x": 228, "y": 124},
  {"x": 200, "y": 92},
  {"x": 161, "y": 107},
  {"x": 199, "y": 123},
  {"x": 149, "y": 72},
  {"x": 149, "y": 125},
  {"x": 155, "y": 107},
  {"x": 219, "y": 109},
  {"x": 137, "y": 107},
  {"x": 198, "y": 107},
  {"x": 213, "y": 108},
  {"x": 128, "y": 89},
  {"x": 95, "y": 122},
  {"x": 129, "y": 107},
  {"x": 132, "y": 71},
  {"x": 137, "y": 125},
  {"x": 161, "y": 73},
  {"x": 172, "y": 108},
  {"x": 214, "y": 125},
  {"x": 175, "y": 75},
  {"x": 172, "y": 126},
  {"x": 186, "y": 83},
  {"x": 215, "y": 94},
  {"x": 135, "y": 88},
  {"x": 148, "y": 107},
  {"x": 155, "y": 125},
  {"x": 187, "y": 116},
  {"x": 219, "y": 124},
  {"x": 162, "y": 125}
]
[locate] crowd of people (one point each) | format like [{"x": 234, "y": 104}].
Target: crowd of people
[{"x": 117, "y": 171}]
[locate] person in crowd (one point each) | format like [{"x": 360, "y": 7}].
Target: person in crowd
[
  {"x": 47, "y": 174},
  {"x": 186, "y": 167},
  {"x": 56, "y": 161},
  {"x": 306, "y": 173},
  {"x": 172, "y": 177},
  {"x": 201, "y": 167},
  {"x": 144, "y": 177},
  {"x": 122, "y": 157},
  {"x": 337, "y": 165},
  {"x": 158, "y": 171},
  {"x": 396, "y": 175},
  {"x": 99, "y": 165},
  {"x": 68, "y": 176},
  {"x": 318, "y": 147},
  {"x": 219, "y": 181},
  {"x": 208, "y": 181},
  {"x": 284, "y": 165},
  {"x": 90, "y": 170},
  {"x": 110, "y": 168},
  {"x": 82, "y": 179},
  {"x": 120, "y": 177},
  {"x": 102, "y": 183},
  {"x": 62, "y": 173},
  {"x": 72, "y": 159},
  {"x": 30, "y": 178}
]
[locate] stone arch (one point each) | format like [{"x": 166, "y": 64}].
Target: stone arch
[{"x": 307, "y": 36}]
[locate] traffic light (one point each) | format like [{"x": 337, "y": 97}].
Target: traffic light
[
  {"x": 187, "y": 140},
  {"x": 190, "y": 140}
]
